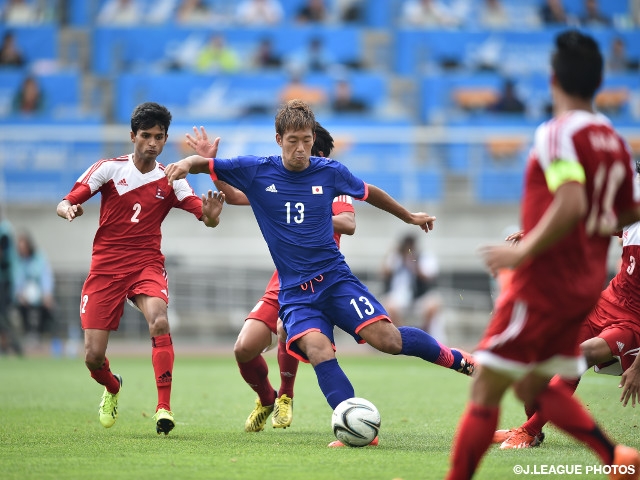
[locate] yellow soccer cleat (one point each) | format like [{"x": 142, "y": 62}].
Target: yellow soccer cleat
[
  {"x": 282, "y": 412},
  {"x": 164, "y": 421},
  {"x": 258, "y": 418},
  {"x": 109, "y": 406}
]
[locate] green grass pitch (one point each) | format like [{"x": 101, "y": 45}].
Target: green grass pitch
[{"x": 50, "y": 427}]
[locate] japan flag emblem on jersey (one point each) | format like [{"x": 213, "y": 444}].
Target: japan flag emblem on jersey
[{"x": 316, "y": 190}]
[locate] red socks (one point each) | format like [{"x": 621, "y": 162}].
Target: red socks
[
  {"x": 288, "y": 370},
  {"x": 162, "y": 357},
  {"x": 104, "y": 377},
  {"x": 558, "y": 405},
  {"x": 255, "y": 373},
  {"x": 535, "y": 421},
  {"x": 472, "y": 439}
]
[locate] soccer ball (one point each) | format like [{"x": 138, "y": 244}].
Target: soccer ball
[{"x": 356, "y": 422}]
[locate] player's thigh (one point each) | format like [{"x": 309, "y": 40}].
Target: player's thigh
[
  {"x": 351, "y": 306},
  {"x": 95, "y": 345},
  {"x": 596, "y": 350},
  {"x": 382, "y": 335},
  {"x": 254, "y": 337},
  {"x": 316, "y": 346},
  {"x": 153, "y": 308},
  {"x": 102, "y": 302}
]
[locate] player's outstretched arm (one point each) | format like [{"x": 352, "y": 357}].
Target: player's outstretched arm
[
  {"x": 180, "y": 169},
  {"x": 233, "y": 196},
  {"x": 200, "y": 143},
  {"x": 212, "y": 204},
  {"x": 382, "y": 200},
  {"x": 67, "y": 211},
  {"x": 344, "y": 223},
  {"x": 630, "y": 384}
]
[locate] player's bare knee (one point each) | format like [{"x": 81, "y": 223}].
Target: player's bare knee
[
  {"x": 243, "y": 353},
  {"x": 159, "y": 326},
  {"x": 93, "y": 360}
]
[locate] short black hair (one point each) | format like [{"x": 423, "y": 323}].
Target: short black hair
[
  {"x": 148, "y": 115},
  {"x": 577, "y": 64},
  {"x": 323, "y": 143}
]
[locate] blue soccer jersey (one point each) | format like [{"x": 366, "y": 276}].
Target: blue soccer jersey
[{"x": 293, "y": 209}]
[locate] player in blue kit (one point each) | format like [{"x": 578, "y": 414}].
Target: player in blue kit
[{"x": 291, "y": 197}]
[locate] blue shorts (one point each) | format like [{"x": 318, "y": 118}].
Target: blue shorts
[{"x": 335, "y": 298}]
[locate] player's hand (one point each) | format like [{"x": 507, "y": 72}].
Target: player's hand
[
  {"x": 630, "y": 384},
  {"x": 178, "y": 170},
  {"x": 423, "y": 220},
  {"x": 212, "y": 204},
  {"x": 497, "y": 257},
  {"x": 514, "y": 237},
  {"x": 200, "y": 143},
  {"x": 73, "y": 211}
]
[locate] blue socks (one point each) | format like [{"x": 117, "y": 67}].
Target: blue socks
[
  {"x": 418, "y": 343},
  {"x": 333, "y": 382}
]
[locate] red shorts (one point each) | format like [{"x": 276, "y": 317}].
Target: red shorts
[
  {"x": 616, "y": 326},
  {"x": 518, "y": 334},
  {"x": 266, "y": 310},
  {"x": 103, "y": 296}
]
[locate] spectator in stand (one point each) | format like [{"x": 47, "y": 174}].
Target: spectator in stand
[
  {"x": 9, "y": 338},
  {"x": 10, "y": 55},
  {"x": 194, "y": 12},
  {"x": 20, "y": 12},
  {"x": 344, "y": 101},
  {"x": 552, "y": 12},
  {"x": 296, "y": 88},
  {"x": 313, "y": 11},
  {"x": 265, "y": 57},
  {"x": 29, "y": 99},
  {"x": 427, "y": 13},
  {"x": 314, "y": 57},
  {"x": 351, "y": 11},
  {"x": 493, "y": 16},
  {"x": 508, "y": 102},
  {"x": 410, "y": 278},
  {"x": 216, "y": 56},
  {"x": 120, "y": 13},
  {"x": 34, "y": 287},
  {"x": 260, "y": 12},
  {"x": 618, "y": 61},
  {"x": 593, "y": 17}
]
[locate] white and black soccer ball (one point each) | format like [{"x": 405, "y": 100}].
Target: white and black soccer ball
[{"x": 356, "y": 422}]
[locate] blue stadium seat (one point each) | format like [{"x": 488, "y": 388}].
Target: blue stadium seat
[
  {"x": 430, "y": 185},
  {"x": 499, "y": 185},
  {"x": 390, "y": 182},
  {"x": 113, "y": 52},
  {"x": 61, "y": 93},
  {"x": 35, "y": 42}
]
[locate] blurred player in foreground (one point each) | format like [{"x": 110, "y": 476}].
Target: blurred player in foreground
[
  {"x": 126, "y": 263},
  {"x": 610, "y": 341},
  {"x": 578, "y": 174},
  {"x": 259, "y": 331},
  {"x": 292, "y": 198}
]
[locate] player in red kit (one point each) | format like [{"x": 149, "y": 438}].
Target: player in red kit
[
  {"x": 610, "y": 341},
  {"x": 578, "y": 190},
  {"x": 259, "y": 332},
  {"x": 126, "y": 262}
]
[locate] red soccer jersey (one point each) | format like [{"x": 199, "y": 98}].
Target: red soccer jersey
[
  {"x": 132, "y": 208},
  {"x": 624, "y": 290},
  {"x": 570, "y": 274}
]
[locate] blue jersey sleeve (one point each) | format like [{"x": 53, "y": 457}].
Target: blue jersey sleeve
[
  {"x": 238, "y": 172},
  {"x": 346, "y": 183}
]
